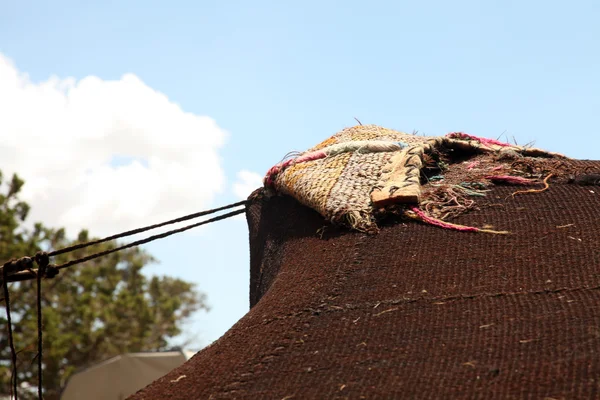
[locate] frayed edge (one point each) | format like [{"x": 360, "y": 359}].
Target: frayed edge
[{"x": 357, "y": 220}]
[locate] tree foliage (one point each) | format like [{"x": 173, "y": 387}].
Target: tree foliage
[{"x": 91, "y": 312}]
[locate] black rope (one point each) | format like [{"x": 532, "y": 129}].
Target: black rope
[
  {"x": 147, "y": 240},
  {"x": 40, "y": 331},
  {"x": 13, "y": 378},
  {"x": 144, "y": 229},
  {"x": 42, "y": 259},
  {"x": 20, "y": 269}
]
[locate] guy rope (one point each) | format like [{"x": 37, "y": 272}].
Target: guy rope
[{"x": 39, "y": 266}]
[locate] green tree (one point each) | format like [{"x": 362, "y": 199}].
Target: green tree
[{"x": 91, "y": 312}]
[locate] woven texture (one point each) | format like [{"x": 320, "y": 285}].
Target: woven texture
[
  {"x": 339, "y": 177},
  {"x": 339, "y": 186},
  {"x": 414, "y": 312}
]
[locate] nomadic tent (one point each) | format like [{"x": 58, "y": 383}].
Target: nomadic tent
[
  {"x": 121, "y": 376},
  {"x": 479, "y": 280}
]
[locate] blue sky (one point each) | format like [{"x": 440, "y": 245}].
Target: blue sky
[{"x": 282, "y": 76}]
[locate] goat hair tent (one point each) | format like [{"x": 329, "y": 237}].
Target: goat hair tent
[{"x": 387, "y": 265}]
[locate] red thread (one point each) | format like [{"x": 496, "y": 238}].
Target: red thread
[{"x": 445, "y": 225}]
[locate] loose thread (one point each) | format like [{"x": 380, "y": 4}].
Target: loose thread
[
  {"x": 546, "y": 186},
  {"x": 422, "y": 216},
  {"x": 511, "y": 180},
  {"x": 13, "y": 353},
  {"x": 470, "y": 192},
  {"x": 475, "y": 186}
]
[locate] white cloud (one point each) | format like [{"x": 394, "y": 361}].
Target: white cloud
[
  {"x": 246, "y": 183},
  {"x": 105, "y": 155}
]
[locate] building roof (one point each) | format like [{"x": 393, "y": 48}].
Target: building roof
[{"x": 122, "y": 375}]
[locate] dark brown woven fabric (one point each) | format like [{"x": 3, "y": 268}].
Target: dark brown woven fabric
[{"x": 414, "y": 311}]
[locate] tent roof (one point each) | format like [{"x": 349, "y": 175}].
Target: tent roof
[{"x": 415, "y": 310}]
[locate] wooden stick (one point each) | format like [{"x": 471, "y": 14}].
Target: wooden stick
[{"x": 402, "y": 184}]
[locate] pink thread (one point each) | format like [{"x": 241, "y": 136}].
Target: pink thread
[
  {"x": 315, "y": 155},
  {"x": 498, "y": 168},
  {"x": 511, "y": 180},
  {"x": 445, "y": 225},
  {"x": 484, "y": 141},
  {"x": 472, "y": 165},
  {"x": 269, "y": 179}
]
